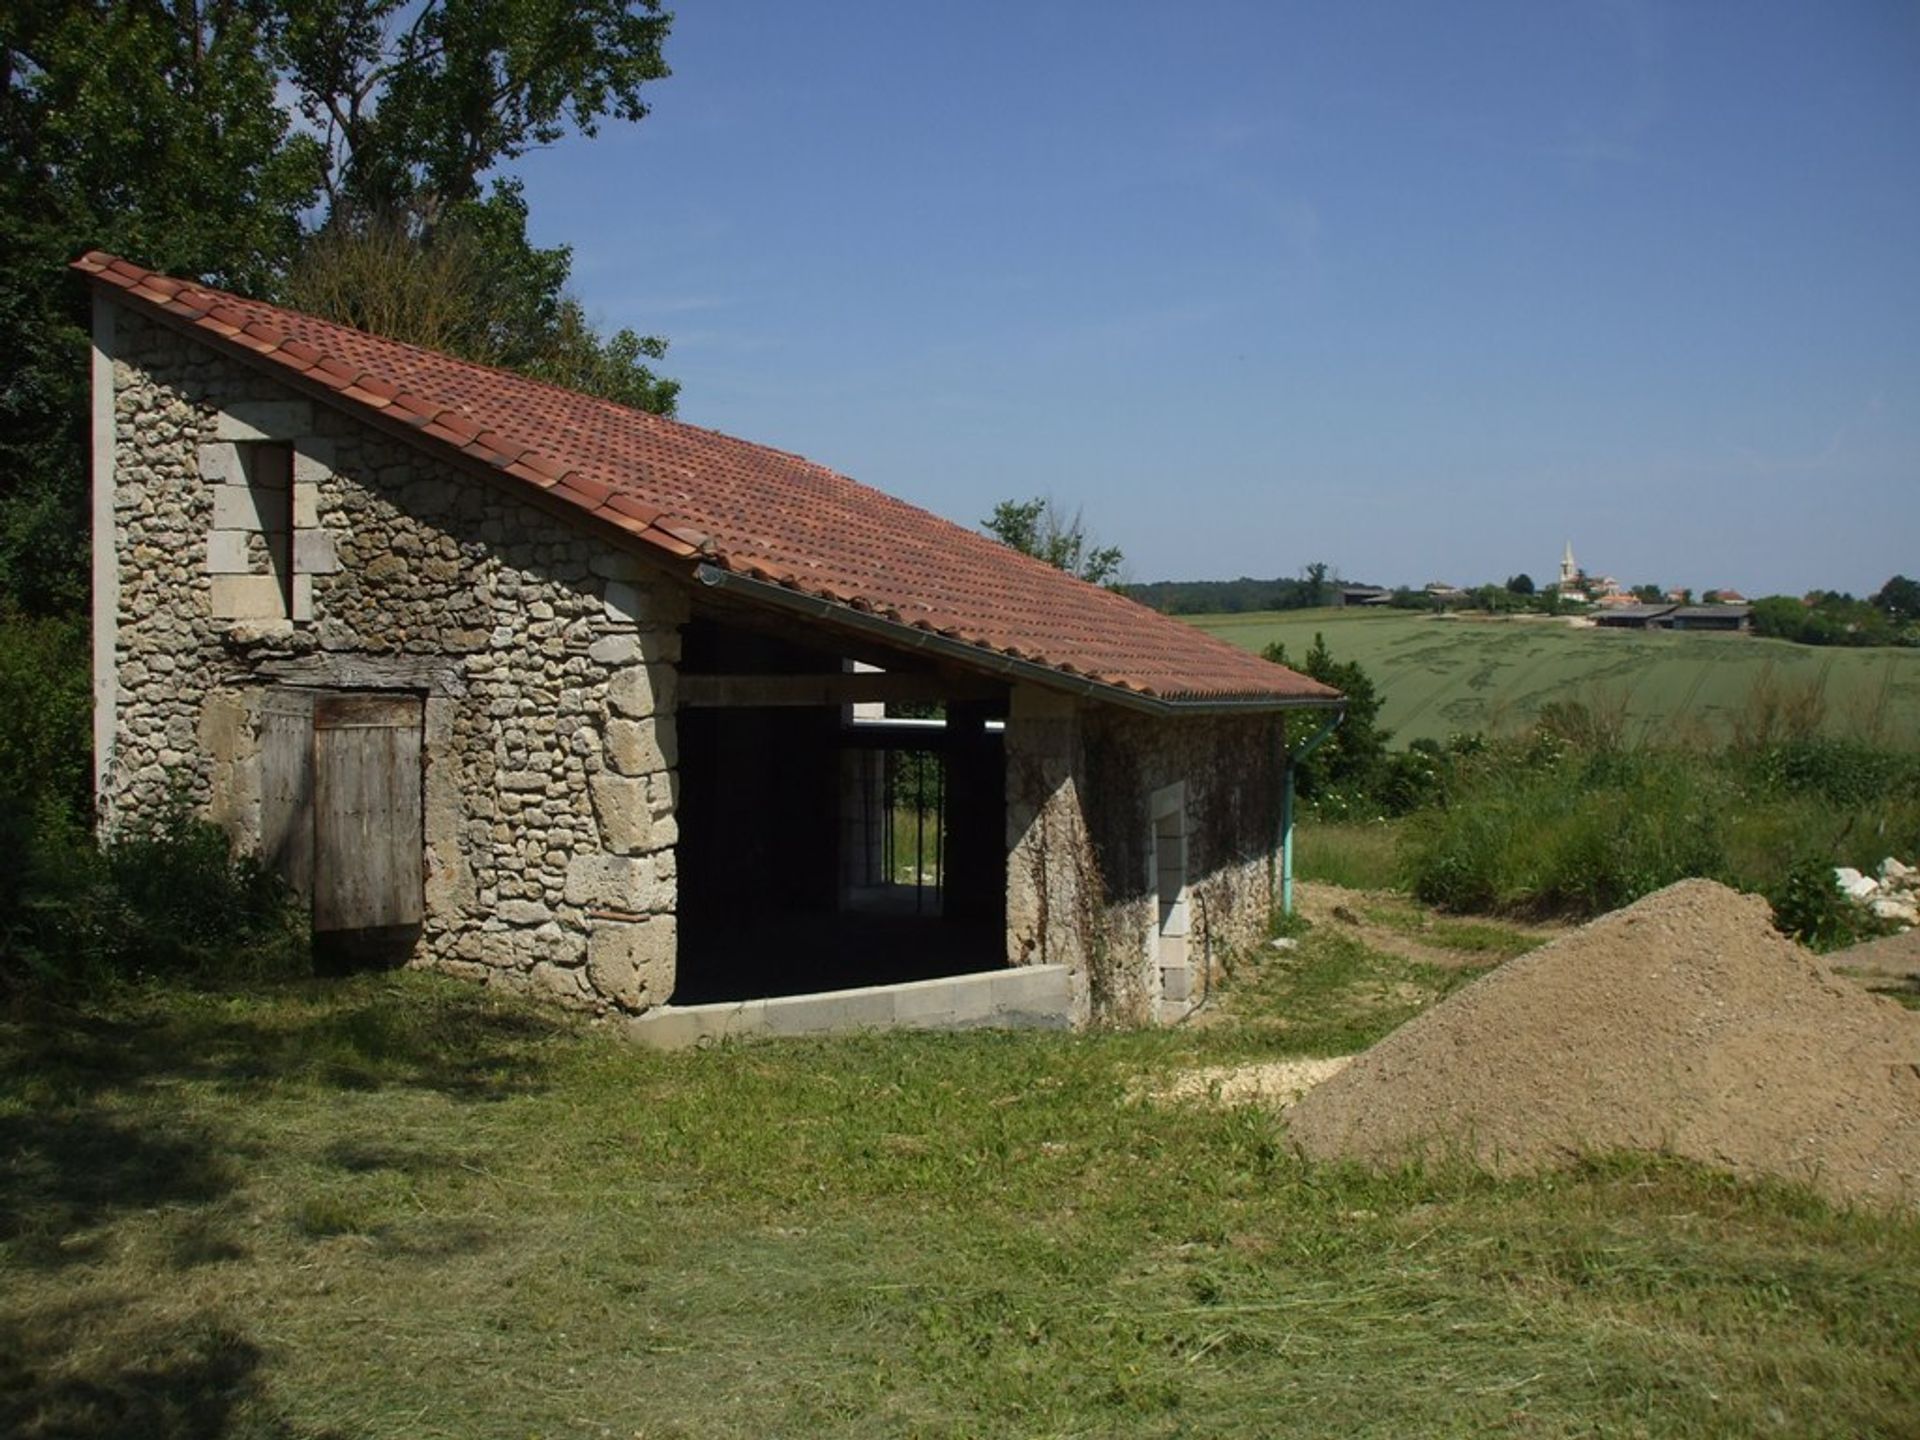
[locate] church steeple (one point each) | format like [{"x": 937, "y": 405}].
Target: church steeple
[{"x": 1569, "y": 572}]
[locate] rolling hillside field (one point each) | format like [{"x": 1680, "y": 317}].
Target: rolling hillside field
[{"x": 1445, "y": 674}]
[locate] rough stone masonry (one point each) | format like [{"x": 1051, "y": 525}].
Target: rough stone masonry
[{"x": 546, "y": 658}]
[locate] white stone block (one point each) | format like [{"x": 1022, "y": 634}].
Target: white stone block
[
  {"x": 248, "y": 597},
  {"x": 932, "y": 1004},
  {"x": 626, "y": 602},
  {"x": 613, "y": 882},
  {"x": 617, "y": 565},
  {"x": 313, "y": 553},
  {"x": 220, "y": 465},
  {"x": 302, "y": 597},
  {"x": 235, "y": 507},
  {"x": 668, "y": 1028},
  {"x": 615, "y": 649},
  {"x": 838, "y": 1013},
  {"x": 663, "y": 792},
  {"x": 1898, "y": 908},
  {"x": 264, "y": 420},
  {"x": 633, "y": 964},
  {"x": 227, "y": 552},
  {"x": 312, "y": 460},
  {"x": 640, "y": 747},
  {"x": 306, "y": 505},
  {"x": 1853, "y": 883},
  {"x": 621, "y": 806},
  {"x": 640, "y": 690}
]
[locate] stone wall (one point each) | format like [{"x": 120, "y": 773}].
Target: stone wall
[
  {"x": 546, "y": 657},
  {"x": 1087, "y": 786}
]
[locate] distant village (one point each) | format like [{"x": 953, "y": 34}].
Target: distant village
[
  {"x": 1602, "y": 599},
  {"x": 1891, "y": 616}
]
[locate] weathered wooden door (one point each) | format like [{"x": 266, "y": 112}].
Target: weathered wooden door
[
  {"x": 368, "y": 841},
  {"x": 340, "y": 807}
]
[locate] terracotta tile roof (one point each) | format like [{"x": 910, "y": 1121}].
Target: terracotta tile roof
[{"x": 697, "y": 495}]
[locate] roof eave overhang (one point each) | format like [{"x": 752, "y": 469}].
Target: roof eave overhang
[{"x": 980, "y": 658}]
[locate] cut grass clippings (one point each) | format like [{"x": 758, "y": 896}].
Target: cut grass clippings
[{"x": 402, "y": 1206}]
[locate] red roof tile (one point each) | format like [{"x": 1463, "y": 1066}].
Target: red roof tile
[{"x": 744, "y": 508}]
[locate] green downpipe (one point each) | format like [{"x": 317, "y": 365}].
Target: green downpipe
[{"x": 1314, "y": 742}]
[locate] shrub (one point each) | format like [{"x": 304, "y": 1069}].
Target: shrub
[
  {"x": 1809, "y": 905},
  {"x": 1565, "y": 832},
  {"x": 164, "y": 898},
  {"x": 1841, "y": 772}
]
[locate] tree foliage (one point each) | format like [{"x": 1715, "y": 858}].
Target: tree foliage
[
  {"x": 1829, "y": 617},
  {"x": 1226, "y": 597},
  {"x": 415, "y": 102},
  {"x": 1039, "y": 528},
  {"x": 134, "y": 129},
  {"x": 475, "y": 287},
  {"x": 1899, "y": 600},
  {"x": 158, "y": 131},
  {"x": 1354, "y": 757}
]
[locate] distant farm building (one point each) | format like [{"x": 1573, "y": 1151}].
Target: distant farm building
[
  {"x": 1675, "y": 617},
  {"x": 1712, "y": 617},
  {"x": 1365, "y": 595},
  {"x": 1633, "y": 617}
]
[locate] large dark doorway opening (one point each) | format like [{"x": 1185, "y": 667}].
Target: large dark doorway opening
[{"x": 828, "y": 841}]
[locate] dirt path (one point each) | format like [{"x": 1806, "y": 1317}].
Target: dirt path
[
  {"x": 1397, "y": 926},
  {"x": 1897, "y": 957}
]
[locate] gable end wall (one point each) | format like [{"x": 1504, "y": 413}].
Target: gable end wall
[{"x": 546, "y": 658}]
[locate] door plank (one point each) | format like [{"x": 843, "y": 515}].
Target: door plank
[{"x": 286, "y": 787}]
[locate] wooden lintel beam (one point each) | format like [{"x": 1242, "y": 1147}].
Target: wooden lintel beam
[{"x": 853, "y": 688}]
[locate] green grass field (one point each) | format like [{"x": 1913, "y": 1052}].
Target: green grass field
[
  {"x": 1443, "y": 675},
  {"x": 401, "y": 1206}
]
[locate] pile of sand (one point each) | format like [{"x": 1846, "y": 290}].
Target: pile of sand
[{"x": 1683, "y": 1024}]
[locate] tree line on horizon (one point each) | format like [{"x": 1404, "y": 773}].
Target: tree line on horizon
[{"x": 1890, "y": 616}]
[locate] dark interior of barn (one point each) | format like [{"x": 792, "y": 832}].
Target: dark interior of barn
[{"x": 827, "y": 843}]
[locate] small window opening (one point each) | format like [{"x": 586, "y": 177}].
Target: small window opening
[
  {"x": 269, "y": 472},
  {"x": 894, "y": 848},
  {"x": 1169, "y": 947}
]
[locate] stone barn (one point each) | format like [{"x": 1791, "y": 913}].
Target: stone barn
[{"x": 544, "y": 691}]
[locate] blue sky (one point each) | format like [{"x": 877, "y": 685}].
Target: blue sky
[{"x": 1422, "y": 291}]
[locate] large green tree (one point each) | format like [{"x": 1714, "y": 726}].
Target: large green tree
[
  {"x": 157, "y": 130},
  {"x": 142, "y": 130}
]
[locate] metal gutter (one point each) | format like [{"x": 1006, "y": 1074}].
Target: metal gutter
[
  {"x": 1314, "y": 742},
  {"x": 978, "y": 657}
]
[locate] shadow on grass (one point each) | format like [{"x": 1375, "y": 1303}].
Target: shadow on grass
[
  {"x": 89, "y": 1128},
  {"x": 200, "y": 1381}
]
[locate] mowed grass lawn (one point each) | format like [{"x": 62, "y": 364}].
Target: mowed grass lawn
[
  {"x": 399, "y": 1206},
  {"x": 1445, "y": 674}
]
